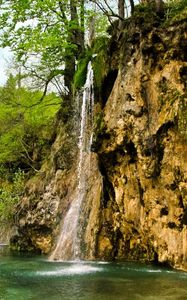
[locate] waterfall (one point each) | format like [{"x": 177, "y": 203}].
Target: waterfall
[{"x": 68, "y": 245}]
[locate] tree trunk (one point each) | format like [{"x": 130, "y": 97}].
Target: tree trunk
[
  {"x": 71, "y": 53},
  {"x": 91, "y": 30},
  {"x": 75, "y": 38},
  {"x": 82, "y": 29},
  {"x": 121, "y": 13},
  {"x": 132, "y": 6},
  {"x": 121, "y": 9}
]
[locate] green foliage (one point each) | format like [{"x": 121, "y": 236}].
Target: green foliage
[
  {"x": 26, "y": 128},
  {"x": 51, "y": 32},
  {"x": 25, "y": 123},
  {"x": 99, "y": 47},
  {"x": 43, "y": 35},
  {"x": 99, "y": 21},
  {"x": 100, "y": 62},
  {"x": 176, "y": 10},
  {"x": 35, "y": 27},
  {"x": 143, "y": 7},
  {"x": 80, "y": 74},
  {"x": 99, "y": 124},
  {"x": 98, "y": 55},
  {"x": 101, "y": 25},
  {"x": 144, "y": 16},
  {"x": 10, "y": 194}
]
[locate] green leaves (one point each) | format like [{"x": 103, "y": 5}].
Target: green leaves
[
  {"x": 9, "y": 196},
  {"x": 38, "y": 27},
  {"x": 48, "y": 35},
  {"x": 176, "y": 10},
  {"x": 24, "y": 120}
]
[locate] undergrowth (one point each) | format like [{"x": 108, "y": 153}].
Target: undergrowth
[{"x": 10, "y": 193}]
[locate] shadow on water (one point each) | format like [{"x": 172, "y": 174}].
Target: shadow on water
[{"x": 25, "y": 277}]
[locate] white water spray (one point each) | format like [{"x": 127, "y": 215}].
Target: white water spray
[{"x": 68, "y": 245}]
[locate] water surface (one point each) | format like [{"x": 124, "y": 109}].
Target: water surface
[{"x": 24, "y": 278}]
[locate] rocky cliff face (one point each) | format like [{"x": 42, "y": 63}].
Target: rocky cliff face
[
  {"x": 143, "y": 150},
  {"x": 136, "y": 205}
]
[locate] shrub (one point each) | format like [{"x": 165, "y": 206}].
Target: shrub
[
  {"x": 100, "y": 63},
  {"x": 176, "y": 10},
  {"x": 10, "y": 194},
  {"x": 80, "y": 74}
]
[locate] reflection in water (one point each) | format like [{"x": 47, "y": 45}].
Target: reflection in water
[
  {"x": 27, "y": 278},
  {"x": 73, "y": 270}
]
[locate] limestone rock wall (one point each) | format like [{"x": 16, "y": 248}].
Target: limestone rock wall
[{"x": 143, "y": 151}]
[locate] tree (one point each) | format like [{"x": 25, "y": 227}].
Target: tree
[
  {"x": 121, "y": 9},
  {"x": 114, "y": 9},
  {"x": 45, "y": 36},
  {"x": 25, "y": 128}
]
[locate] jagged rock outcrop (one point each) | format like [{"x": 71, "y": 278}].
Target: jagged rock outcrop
[
  {"x": 143, "y": 150},
  {"x": 136, "y": 204}
]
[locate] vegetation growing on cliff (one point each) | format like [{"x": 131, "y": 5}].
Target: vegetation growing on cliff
[
  {"x": 26, "y": 133},
  {"x": 10, "y": 192},
  {"x": 176, "y": 10}
]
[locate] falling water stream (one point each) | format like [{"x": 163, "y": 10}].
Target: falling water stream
[{"x": 68, "y": 245}]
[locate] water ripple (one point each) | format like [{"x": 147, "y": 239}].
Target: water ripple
[{"x": 72, "y": 270}]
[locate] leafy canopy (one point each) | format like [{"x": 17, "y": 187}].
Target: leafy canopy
[
  {"x": 24, "y": 121},
  {"x": 42, "y": 34}
]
